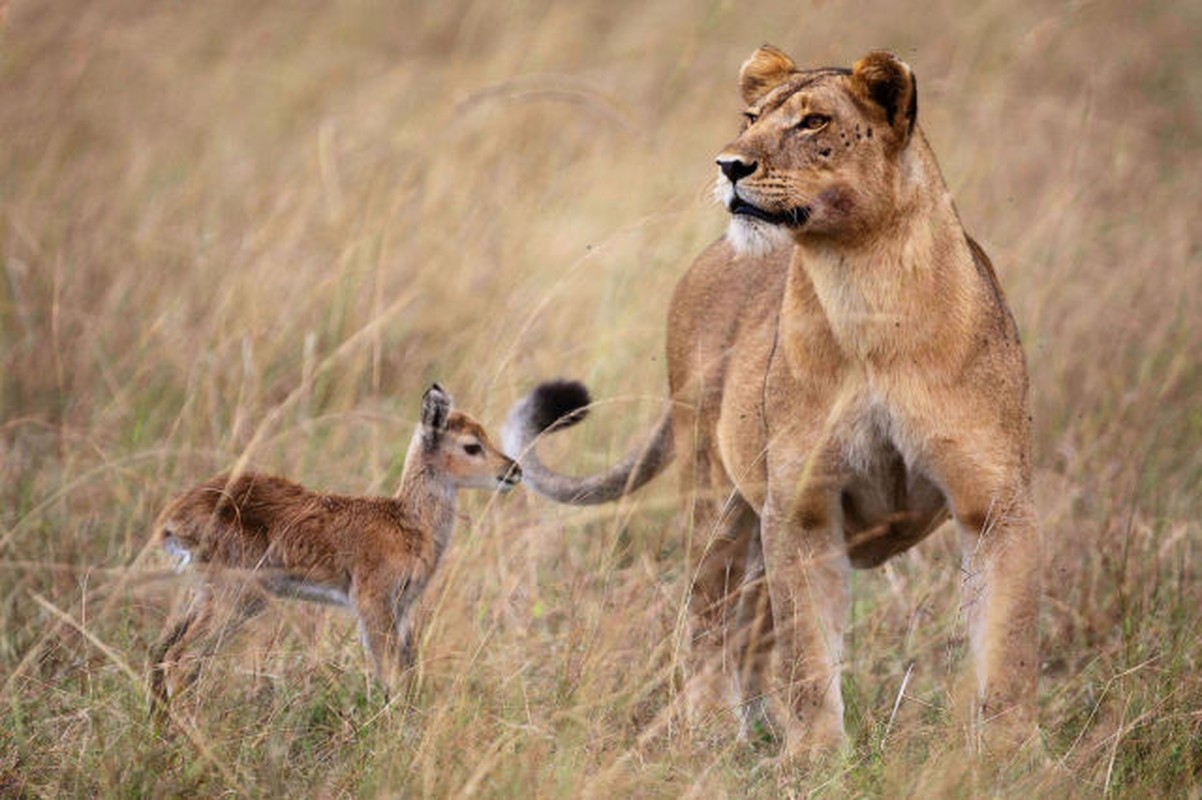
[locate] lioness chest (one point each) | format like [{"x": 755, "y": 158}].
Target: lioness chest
[
  {"x": 842, "y": 425},
  {"x": 762, "y": 416},
  {"x": 766, "y": 422}
]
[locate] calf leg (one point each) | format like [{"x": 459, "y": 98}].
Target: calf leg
[
  {"x": 194, "y": 636},
  {"x": 383, "y": 604}
]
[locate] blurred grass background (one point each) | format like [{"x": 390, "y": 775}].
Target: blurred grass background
[{"x": 236, "y": 230}]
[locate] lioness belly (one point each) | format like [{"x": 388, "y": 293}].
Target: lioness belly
[{"x": 888, "y": 513}]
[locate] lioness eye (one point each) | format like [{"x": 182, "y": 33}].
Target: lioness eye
[
  {"x": 813, "y": 122},
  {"x": 473, "y": 449},
  {"x": 750, "y": 117}
]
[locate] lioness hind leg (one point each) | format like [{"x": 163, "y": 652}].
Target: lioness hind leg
[
  {"x": 753, "y": 647},
  {"x": 719, "y": 547}
]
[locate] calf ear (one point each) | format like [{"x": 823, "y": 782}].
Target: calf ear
[
  {"x": 885, "y": 80},
  {"x": 764, "y": 71},
  {"x": 436, "y": 407}
]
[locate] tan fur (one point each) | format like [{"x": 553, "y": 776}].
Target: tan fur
[
  {"x": 265, "y": 535},
  {"x": 835, "y": 399}
]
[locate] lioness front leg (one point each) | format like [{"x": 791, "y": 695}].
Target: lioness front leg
[
  {"x": 808, "y": 584},
  {"x": 1001, "y": 587},
  {"x": 1000, "y": 553}
]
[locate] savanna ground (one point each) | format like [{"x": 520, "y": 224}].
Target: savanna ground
[{"x": 257, "y": 231}]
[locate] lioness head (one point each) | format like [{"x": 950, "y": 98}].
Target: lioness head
[{"x": 819, "y": 152}]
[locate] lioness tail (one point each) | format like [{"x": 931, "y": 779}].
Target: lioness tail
[{"x": 556, "y": 405}]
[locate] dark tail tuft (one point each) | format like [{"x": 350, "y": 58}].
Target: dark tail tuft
[{"x": 555, "y": 405}]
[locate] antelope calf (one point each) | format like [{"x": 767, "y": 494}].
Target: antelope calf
[{"x": 373, "y": 555}]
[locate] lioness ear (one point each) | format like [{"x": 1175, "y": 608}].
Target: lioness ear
[
  {"x": 765, "y": 70},
  {"x": 884, "y": 79},
  {"x": 436, "y": 407}
]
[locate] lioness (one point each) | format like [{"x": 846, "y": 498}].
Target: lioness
[{"x": 834, "y": 399}]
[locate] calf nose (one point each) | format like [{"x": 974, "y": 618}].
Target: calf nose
[
  {"x": 735, "y": 167},
  {"x": 514, "y": 473}
]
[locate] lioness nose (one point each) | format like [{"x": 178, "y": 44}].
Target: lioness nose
[{"x": 735, "y": 168}]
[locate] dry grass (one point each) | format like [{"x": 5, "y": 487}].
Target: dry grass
[{"x": 233, "y": 230}]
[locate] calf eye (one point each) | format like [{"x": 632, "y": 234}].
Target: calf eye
[{"x": 473, "y": 449}]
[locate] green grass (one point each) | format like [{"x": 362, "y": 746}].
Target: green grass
[{"x": 260, "y": 231}]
